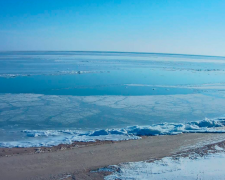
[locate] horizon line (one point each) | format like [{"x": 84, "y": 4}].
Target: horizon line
[{"x": 131, "y": 52}]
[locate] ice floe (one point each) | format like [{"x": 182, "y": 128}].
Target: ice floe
[
  {"x": 37, "y": 138},
  {"x": 53, "y": 73}
]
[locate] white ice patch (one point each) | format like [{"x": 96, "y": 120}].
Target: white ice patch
[
  {"x": 37, "y": 138},
  {"x": 12, "y": 75},
  {"x": 219, "y": 86},
  {"x": 218, "y": 148},
  {"x": 208, "y": 168},
  {"x": 54, "y": 73}
]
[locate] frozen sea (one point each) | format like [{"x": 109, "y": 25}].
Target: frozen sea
[{"x": 47, "y": 98}]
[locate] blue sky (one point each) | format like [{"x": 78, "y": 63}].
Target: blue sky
[{"x": 168, "y": 26}]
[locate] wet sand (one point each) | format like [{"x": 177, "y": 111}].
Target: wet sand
[{"x": 77, "y": 159}]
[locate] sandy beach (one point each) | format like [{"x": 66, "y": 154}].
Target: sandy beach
[{"x": 75, "y": 161}]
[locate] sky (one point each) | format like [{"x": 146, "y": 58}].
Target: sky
[{"x": 160, "y": 26}]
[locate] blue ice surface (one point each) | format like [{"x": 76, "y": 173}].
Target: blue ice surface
[
  {"x": 60, "y": 77},
  {"x": 109, "y": 83}
]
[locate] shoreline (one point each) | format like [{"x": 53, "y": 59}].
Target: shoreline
[
  {"x": 75, "y": 161},
  {"x": 14, "y": 151}
]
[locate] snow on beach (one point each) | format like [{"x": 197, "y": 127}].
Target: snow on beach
[{"x": 207, "y": 167}]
